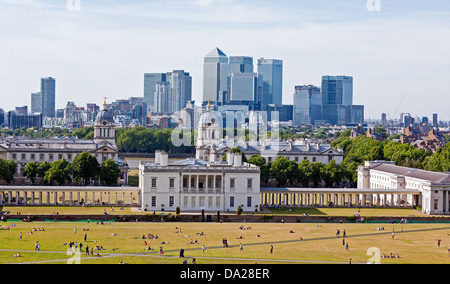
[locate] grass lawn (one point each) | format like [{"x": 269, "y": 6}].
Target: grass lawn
[
  {"x": 123, "y": 242},
  {"x": 392, "y": 212}
]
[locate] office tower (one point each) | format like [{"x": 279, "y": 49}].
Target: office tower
[
  {"x": 384, "y": 119},
  {"x": 307, "y": 104},
  {"x": 337, "y": 90},
  {"x": 435, "y": 120},
  {"x": 22, "y": 110},
  {"x": 242, "y": 88},
  {"x": 215, "y": 76},
  {"x": 48, "y": 97},
  {"x": 271, "y": 71},
  {"x": 241, "y": 64},
  {"x": 36, "y": 103},
  {"x": 162, "y": 95},
  {"x": 180, "y": 83},
  {"x": 150, "y": 81},
  {"x": 2, "y": 117}
]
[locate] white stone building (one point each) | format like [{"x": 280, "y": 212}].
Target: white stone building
[
  {"x": 103, "y": 147},
  {"x": 212, "y": 146},
  {"x": 434, "y": 187},
  {"x": 193, "y": 185}
]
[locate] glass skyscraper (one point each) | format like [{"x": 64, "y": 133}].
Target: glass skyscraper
[
  {"x": 215, "y": 76},
  {"x": 150, "y": 81},
  {"x": 36, "y": 103},
  {"x": 241, "y": 64},
  {"x": 271, "y": 71},
  {"x": 307, "y": 104},
  {"x": 337, "y": 90},
  {"x": 48, "y": 92}
]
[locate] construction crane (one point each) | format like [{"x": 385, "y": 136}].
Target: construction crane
[{"x": 391, "y": 117}]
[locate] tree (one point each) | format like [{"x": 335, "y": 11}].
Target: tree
[
  {"x": 85, "y": 168},
  {"x": 7, "y": 170},
  {"x": 42, "y": 169},
  {"x": 109, "y": 173},
  {"x": 31, "y": 171},
  {"x": 284, "y": 171},
  {"x": 304, "y": 173},
  {"x": 59, "y": 172},
  {"x": 331, "y": 174},
  {"x": 259, "y": 161}
]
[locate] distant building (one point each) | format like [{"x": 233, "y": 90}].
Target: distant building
[
  {"x": 271, "y": 71},
  {"x": 103, "y": 146},
  {"x": 16, "y": 120},
  {"x": 216, "y": 69},
  {"x": 150, "y": 82},
  {"x": 337, "y": 90},
  {"x": 48, "y": 91},
  {"x": 36, "y": 103},
  {"x": 307, "y": 104}
]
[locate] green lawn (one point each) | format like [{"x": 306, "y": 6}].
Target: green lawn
[{"x": 123, "y": 242}]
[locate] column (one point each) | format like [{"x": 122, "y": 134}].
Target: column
[{"x": 40, "y": 197}]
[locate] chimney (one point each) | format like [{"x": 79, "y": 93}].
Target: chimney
[
  {"x": 230, "y": 158},
  {"x": 157, "y": 157},
  {"x": 164, "y": 159},
  {"x": 238, "y": 160}
]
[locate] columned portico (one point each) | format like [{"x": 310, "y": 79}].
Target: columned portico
[
  {"x": 69, "y": 196},
  {"x": 335, "y": 197}
]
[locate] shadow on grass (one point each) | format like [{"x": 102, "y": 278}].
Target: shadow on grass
[{"x": 296, "y": 211}]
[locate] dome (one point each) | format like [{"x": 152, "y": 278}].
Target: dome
[
  {"x": 208, "y": 119},
  {"x": 103, "y": 116}
]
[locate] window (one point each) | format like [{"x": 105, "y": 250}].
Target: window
[
  {"x": 171, "y": 201},
  {"x": 186, "y": 201},
  {"x": 33, "y": 157},
  {"x": 436, "y": 204},
  {"x": 202, "y": 201},
  {"x": 249, "y": 201},
  {"x": 153, "y": 201},
  {"x": 232, "y": 183},
  {"x": 41, "y": 157},
  {"x": 24, "y": 157},
  {"x": 210, "y": 201},
  {"x": 232, "y": 201},
  {"x": 314, "y": 159},
  {"x": 153, "y": 182},
  {"x": 193, "y": 201},
  {"x": 172, "y": 183},
  {"x": 218, "y": 201},
  {"x": 249, "y": 183}
]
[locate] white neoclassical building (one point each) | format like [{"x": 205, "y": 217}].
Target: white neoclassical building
[
  {"x": 103, "y": 147},
  {"x": 194, "y": 185},
  {"x": 433, "y": 187},
  {"x": 212, "y": 145}
]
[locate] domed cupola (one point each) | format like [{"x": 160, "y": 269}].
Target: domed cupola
[{"x": 105, "y": 127}]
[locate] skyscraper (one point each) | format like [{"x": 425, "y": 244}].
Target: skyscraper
[
  {"x": 243, "y": 87},
  {"x": 271, "y": 71},
  {"x": 337, "y": 90},
  {"x": 150, "y": 81},
  {"x": 36, "y": 103},
  {"x": 180, "y": 83},
  {"x": 162, "y": 94},
  {"x": 307, "y": 104},
  {"x": 241, "y": 64},
  {"x": 215, "y": 76},
  {"x": 48, "y": 96}
]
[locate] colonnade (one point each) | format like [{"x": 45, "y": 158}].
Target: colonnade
[
  {"x": 338, "y": 198},
  {"x": 76, "y": 196}
]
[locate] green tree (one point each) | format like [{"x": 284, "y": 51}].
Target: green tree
[
  {"x": 7, "y": 170},
  {"x": 259, "y": 161},
  {"x": 31, "y": 171},
  {"x": 85, "y": 168},
  {"x": 284, "y": 171},
  {"x": 304, "y": 173},
  {"x": 42, "y": 170},
  {"x": 331, "y": 174},
  {"x": 59, "y": 172},
  {"x": 109, "y": 173}
]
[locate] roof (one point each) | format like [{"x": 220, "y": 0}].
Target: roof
[
  {"x": 216, "y": 52},
  {"x": 433, "y": 177}
]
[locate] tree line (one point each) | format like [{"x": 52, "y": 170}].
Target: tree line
[
  {"x": 85, "y": 169},
  {"x": 361, "y": 149}
]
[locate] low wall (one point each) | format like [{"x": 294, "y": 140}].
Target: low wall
[{"x": 226, "y": 218}]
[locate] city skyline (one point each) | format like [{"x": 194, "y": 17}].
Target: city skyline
[{"x": 104, "y": 48}]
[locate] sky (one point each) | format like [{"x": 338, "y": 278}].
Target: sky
[{"x": 396, "y": 50}]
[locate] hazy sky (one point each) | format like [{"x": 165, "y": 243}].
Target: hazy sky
[{"x": 104, "y": 49}]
